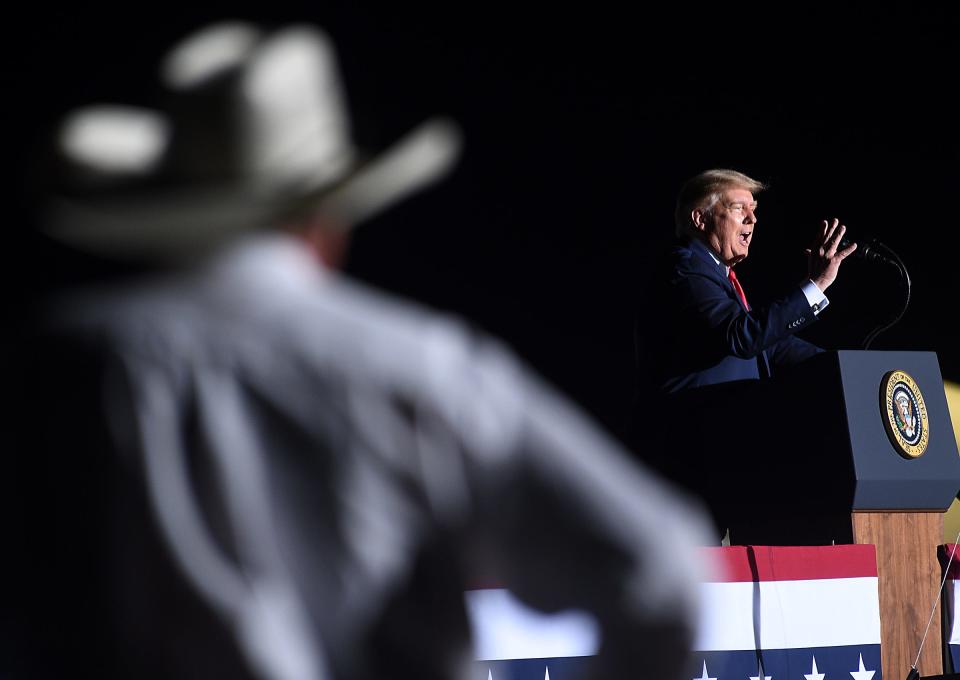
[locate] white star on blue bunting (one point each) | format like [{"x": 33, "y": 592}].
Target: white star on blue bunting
[
  {"x": 814, "y": 673},
  {"x": 863, "y": 673},
  {"x": 704, "y": 676}
]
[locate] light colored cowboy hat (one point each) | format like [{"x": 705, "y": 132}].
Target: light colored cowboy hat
[{"x": 256, "y": 130}]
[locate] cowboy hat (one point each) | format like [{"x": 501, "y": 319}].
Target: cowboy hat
[{"x": 255, "y": 130}]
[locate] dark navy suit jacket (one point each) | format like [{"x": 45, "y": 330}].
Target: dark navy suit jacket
[{"x": 696, "y": 332}]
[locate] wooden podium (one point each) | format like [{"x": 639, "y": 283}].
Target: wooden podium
[
  {"x": 909, "y": 577},
  {"x": 812, "y": 458},
  {"x": 883, "y": 441}
]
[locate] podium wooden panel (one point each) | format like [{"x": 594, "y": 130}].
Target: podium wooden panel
[{"x": 908, "y": 581}]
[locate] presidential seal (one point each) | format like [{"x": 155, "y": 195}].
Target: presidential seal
[{"x": 904, "y": 414}]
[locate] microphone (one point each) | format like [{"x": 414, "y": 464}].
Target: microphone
[{"x": 869, "y": 251}]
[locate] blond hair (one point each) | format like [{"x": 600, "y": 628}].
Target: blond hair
[{"x": 703, "y": 191}]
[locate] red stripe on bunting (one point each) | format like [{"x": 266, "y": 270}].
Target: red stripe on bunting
[
  {"x": 783, "y": 563},
  {"x": 790, "y": 563}
]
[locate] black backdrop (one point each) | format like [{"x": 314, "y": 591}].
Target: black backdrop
[{"x": 580, "y": 125}]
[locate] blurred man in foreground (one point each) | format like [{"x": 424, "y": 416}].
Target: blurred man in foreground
[{"x": 260, "y": 469}]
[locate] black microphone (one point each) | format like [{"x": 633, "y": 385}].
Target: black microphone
[{"x": 869, "y": 251}]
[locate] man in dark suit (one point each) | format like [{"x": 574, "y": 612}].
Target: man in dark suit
[
  {"x": 708, "y": 352},
  {"x": 708, "y": 333}
]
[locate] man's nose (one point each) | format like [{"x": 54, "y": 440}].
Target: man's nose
[{"x": 749, "y": 216}]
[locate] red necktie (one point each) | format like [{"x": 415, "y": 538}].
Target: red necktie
[{"x": 737, "y": 287}]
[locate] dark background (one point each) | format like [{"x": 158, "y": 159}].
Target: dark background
[{"x": 580, "y": 126}]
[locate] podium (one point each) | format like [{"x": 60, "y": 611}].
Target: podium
[
  {"x": 861, "y": 447},
  {"x": 813, "y": 457}
]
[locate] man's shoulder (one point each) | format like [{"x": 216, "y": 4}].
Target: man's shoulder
[
  {"x": 692, "y": 253},
  {"x": 685, "y": 257},
  {"x": 386, "y": 318},
  {"x": 407, "y": 333}
]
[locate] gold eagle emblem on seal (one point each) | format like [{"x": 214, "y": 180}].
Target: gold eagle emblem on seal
[{"x": 904, "y": 414}]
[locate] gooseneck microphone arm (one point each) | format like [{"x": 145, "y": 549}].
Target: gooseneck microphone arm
[{"x": 874, "y": 251}]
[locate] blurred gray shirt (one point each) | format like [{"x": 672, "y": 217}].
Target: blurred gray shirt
[{"x": 327, "y": 469}]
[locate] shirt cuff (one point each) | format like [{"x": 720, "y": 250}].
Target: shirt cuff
[{"x": 815, "y": 297}]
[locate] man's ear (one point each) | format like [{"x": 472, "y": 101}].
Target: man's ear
[
  {"x": 330, "y": 245},
  {"x": 327, "y": 239},
  {"x": 700, "y": 218}
]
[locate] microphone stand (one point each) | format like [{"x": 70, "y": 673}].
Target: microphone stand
[{"x": 906, "y": 279}]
